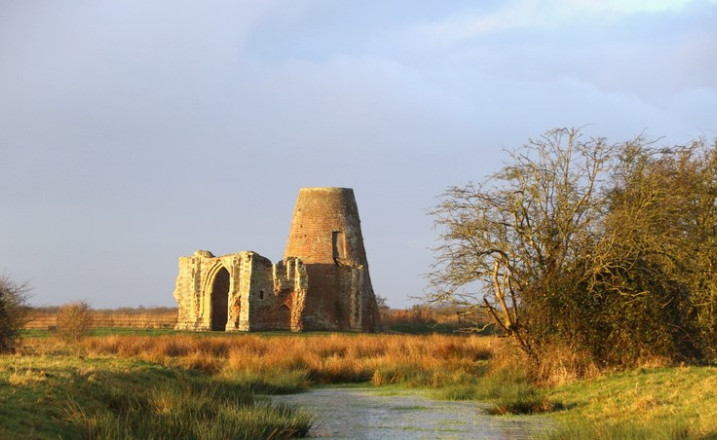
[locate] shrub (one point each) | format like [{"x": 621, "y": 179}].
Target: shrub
[
  {"x": 73, "y": 320},
  {"x": 608, "y": 249},
  {"x": 13, "y": 312}
]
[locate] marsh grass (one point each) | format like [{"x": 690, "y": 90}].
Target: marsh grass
[
  {"x": 457, "y": 367},
  {"x": 130, "y": 385},
  {"x": 47, "y": 397},
  {"x": 623, "y": 430},
  {"x": 648, "y": 403},
  {"x": 212, "y": 369},
  {"x": 296, "y": 361},
  {"x": 509, "y": 390}
]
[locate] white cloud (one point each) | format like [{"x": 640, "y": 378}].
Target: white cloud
[
  {"x": 625, "y": 7},
  {"x": 534, "y": 14}
]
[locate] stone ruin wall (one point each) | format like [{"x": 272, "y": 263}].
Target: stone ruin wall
[
  {"x": 322, "y": 283},
  {"x": 239, "y": 292}
]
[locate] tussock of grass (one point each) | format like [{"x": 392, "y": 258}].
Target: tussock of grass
[
  {"x": 509, "y": 390},
  {"x": 529, "y": 404},
  {"x": 68, "y": 397},
  {"x": 269, "y": 382}
]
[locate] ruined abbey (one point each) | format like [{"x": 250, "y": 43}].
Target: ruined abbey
[{"x": 321, "y": 284}]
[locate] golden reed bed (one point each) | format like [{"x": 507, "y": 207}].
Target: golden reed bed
[{"x": 433, "y": 360}]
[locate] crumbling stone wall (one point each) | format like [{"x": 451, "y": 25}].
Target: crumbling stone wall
[
  {"x": 239, "y": 292},
  {"x": 322, "y": 283}
]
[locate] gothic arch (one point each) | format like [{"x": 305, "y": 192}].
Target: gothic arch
[{"x": 217, "y": 288}]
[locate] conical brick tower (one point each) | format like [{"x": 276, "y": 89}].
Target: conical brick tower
[{"x": 326, "y": 235}]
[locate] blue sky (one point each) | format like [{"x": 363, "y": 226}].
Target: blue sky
[{"x": 134, "y": 132}]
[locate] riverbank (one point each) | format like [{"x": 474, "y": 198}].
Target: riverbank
[
  {"x": 76, "y": 397},
  {"x": 642, "y": 404},
  {"x": 655, "y": 403}
]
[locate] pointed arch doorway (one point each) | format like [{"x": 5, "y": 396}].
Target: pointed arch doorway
[{"x": 220, "y": 300}]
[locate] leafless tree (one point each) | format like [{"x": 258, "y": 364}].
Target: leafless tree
[
  {"x": 606, "y": 249},
  {"x": 515, "y": 239},
  {"x": 13, "y": 312},
  {"x": 74, "y": 319}
]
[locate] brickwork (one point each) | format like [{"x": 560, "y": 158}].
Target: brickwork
[
  {"x": 321, "y": 284},
  {"x": 326, "y": 234}
]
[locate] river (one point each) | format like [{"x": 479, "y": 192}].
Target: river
[{"x": 368, "y": 413}]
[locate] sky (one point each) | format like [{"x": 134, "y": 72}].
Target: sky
[{"x": 134, "y": 132}]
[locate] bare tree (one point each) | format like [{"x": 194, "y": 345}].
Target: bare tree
[
  {"x": 74, "y": 319},
  {"x": 516, "y": 240},
  {"x": 610, "y": 250},
  {"x": 13, "y": 312}
]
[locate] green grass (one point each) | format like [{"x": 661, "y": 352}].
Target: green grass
[
  {"x": 509, "y": 391},
  {"x": 74, "y": 398},
  {"x": 422, "y": 328},
  {"x": 426, "y": 328},
  {"x": 660, "y": 403},
  {"x": 657, "y": 403},
  {"x": 44, "y": 333},
  {"x": 266, "y": 383}
]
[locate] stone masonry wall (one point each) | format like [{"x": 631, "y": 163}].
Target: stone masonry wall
[
  {"x": 322, "y": 283},
  {"x": 248, "y": 300},
  {"x": 326, "y": 234}
]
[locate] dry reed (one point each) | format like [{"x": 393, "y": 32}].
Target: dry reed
[{"x": 433, "y": 360}]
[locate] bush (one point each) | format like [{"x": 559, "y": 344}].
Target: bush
[
  {"x": 13, "y": 312},
  {"x": 607, "y": 249},
  {"x": 73, "y": 320}
]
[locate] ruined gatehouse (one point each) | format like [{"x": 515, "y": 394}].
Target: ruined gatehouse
[{"x": 322, "y": 283}]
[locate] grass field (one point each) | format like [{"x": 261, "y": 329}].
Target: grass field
[
  {"x": 161, "y": 384},
  {"x": 656, "y": 403}
]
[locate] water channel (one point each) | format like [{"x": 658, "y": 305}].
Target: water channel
[{"x": 367, "y": 413}]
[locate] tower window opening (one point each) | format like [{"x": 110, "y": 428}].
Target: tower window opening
[{"x": 338, "y": 243}]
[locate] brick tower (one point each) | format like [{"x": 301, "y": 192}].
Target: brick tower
[{"x": 326, "y": 235}]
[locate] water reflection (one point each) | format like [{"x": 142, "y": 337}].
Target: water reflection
[{"x": 358, "y": 413}]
